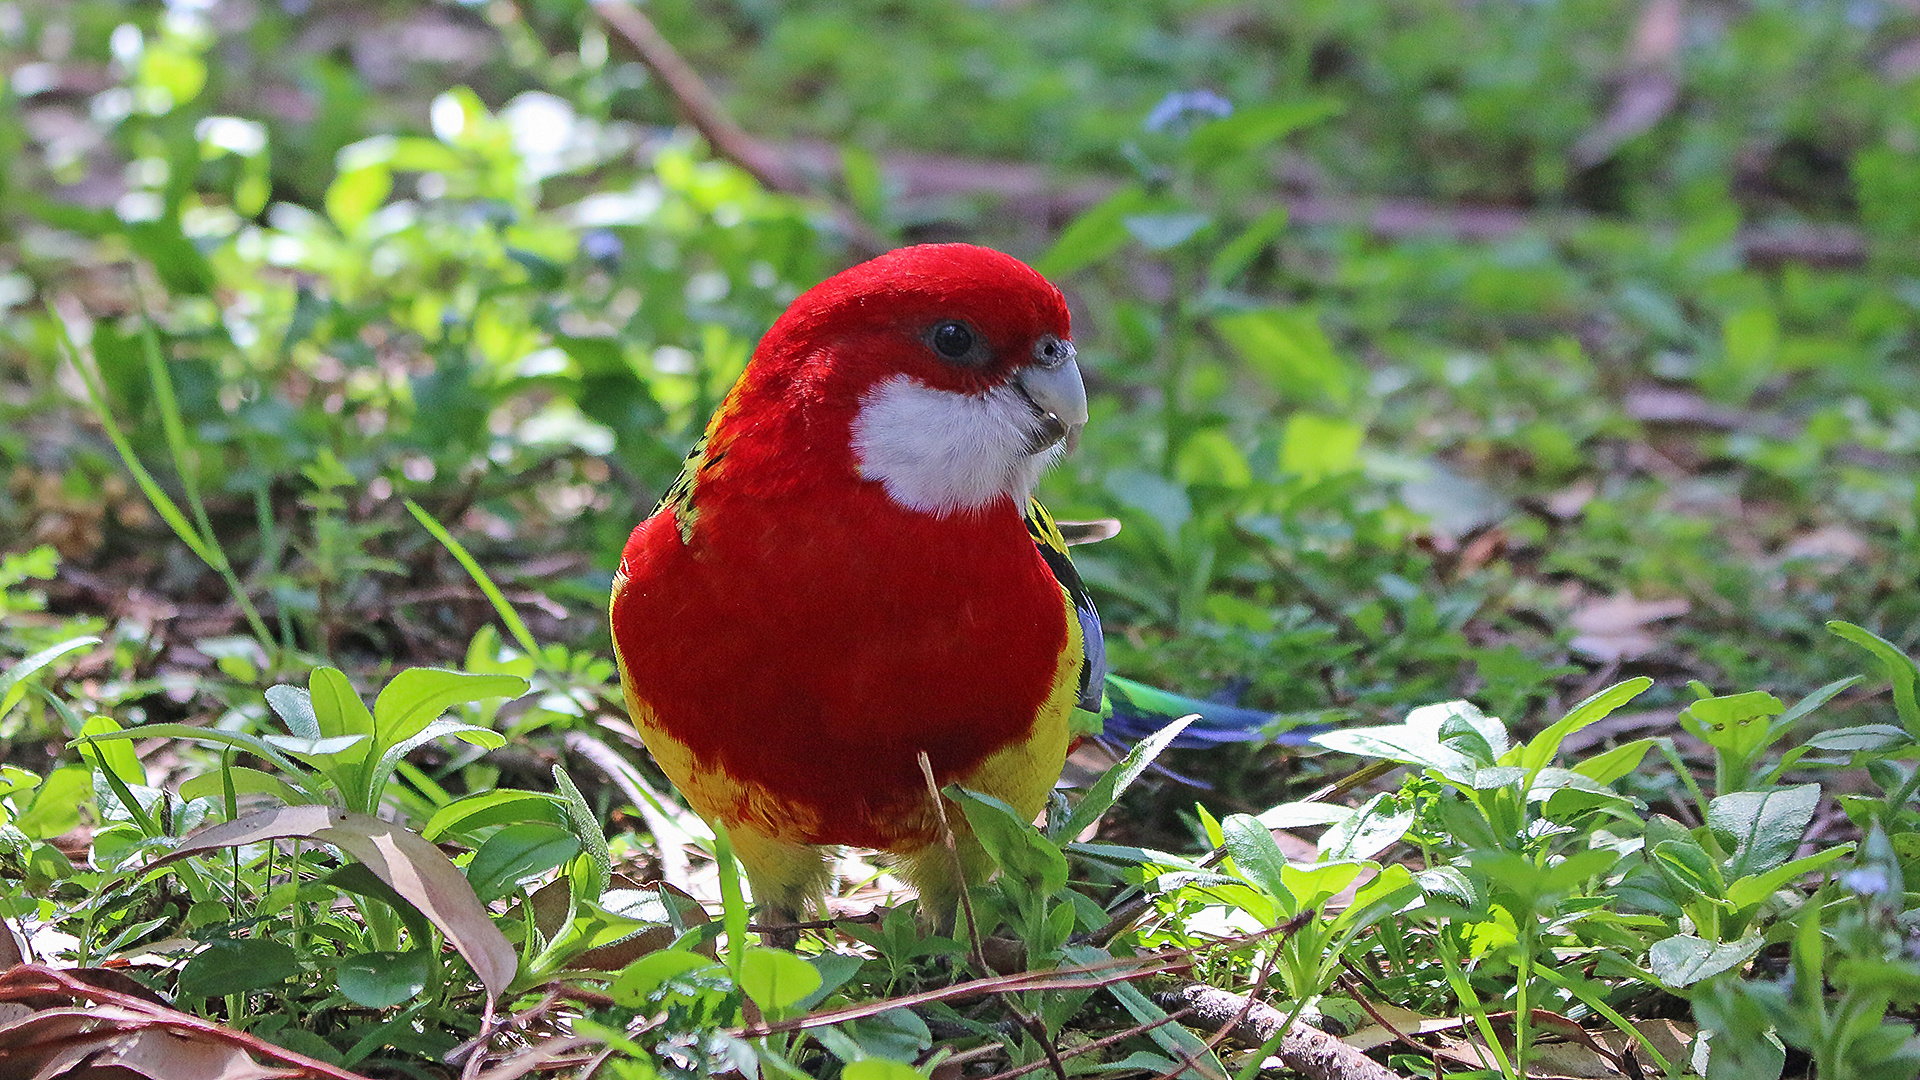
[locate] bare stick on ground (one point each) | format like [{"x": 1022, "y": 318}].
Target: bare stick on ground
[{"x": 1312, "y": 1053}]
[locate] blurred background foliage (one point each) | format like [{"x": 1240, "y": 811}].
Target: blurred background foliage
[{"x": 1437, "y": 348}]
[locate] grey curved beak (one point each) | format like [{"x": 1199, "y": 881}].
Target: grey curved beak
[{"x": 1052, "y": 385}]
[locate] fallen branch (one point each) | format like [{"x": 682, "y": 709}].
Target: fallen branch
[
  {"x": 1309, "y": 1052},
  {"x": 1033, "y": 192},
  {"x": 697, "y": 103}
]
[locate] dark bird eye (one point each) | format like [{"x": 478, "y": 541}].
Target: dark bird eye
[{"x": 952, "y": 340}]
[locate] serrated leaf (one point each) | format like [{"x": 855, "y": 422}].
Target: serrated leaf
[{"x": 1107, "y": 790}]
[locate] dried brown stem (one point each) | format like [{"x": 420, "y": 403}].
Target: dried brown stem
[{"x": 37, "y": 980}]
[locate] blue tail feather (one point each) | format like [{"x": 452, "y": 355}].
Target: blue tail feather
[{"x": 1136, "y": 710}]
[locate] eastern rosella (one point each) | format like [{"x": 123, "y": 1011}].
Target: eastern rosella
[{"x": 851, "y": 570}]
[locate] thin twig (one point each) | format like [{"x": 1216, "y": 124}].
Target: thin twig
[
  {"x": 1030, "y": 1022},
  {"x": 701, "y": 108},
  {"x": 1098, "y": 1044},
  {"x": 1353, "y": 989},
  {"x": 979, "y": 956},
  {"x": 32, "y": 980},
  {"x": 1131, "y": 910}
]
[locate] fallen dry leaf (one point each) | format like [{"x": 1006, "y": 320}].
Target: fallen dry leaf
[
  {"x": 1616, "y": 627},
  {"x": 411, "y": 865}
]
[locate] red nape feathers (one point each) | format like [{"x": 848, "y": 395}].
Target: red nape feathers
[{"x": 843, "y": 577}]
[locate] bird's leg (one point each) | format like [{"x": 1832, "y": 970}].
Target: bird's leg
[{"x": 788, "y": 879}]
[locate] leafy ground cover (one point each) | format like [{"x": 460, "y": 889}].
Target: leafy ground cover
[{"x": 1529, "y": 393}]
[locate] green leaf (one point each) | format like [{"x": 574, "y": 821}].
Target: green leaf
[
  {"x": 1749, "y": 891},
  {"x": 1865, "y": 738},
  {"x": 866, "y": 185},
  {"x": 1542, "y": 748},
  {"x": 1766, "y": 826},
  {"x": 1739, "y": 724},
  {"x": 1107, "y": 790},
  {"x": 483, "y": 809},
  {"x": 1288, "y": 348},
  {"x": 776, "y": 979},
  {"x": 879, "y": 1068},
  {"x": 1682, "y": 960},
  {"x": 1615, "y": 763},
  {"x": 355, "y": 194},
  {"x": 1237, "y": 254},
  {"x": 1313, "y": 886},
  {"x": 516, "y": 853},
  {"x": 1163, "y": 232},
  {"x": 115, "y": 756},
  {"x": 1688, "y": 863},
  {"x": 1175, "y": 1039},
  {"x": 635, "y": 985},
  {"x": 379, "y": 980},
  {"x": 835, "y": 969},
  {"x": 586, "y": 826},
  {"x": 13, "y": 681},
  {"x": 1900, "y": 669},
  {"x": 417, "y": 696},
  {"x": 1096, "y": 234},
  {"x": 383, "y": 769},
  {"x": 323, "y": 749},
  {"x": 239, "y": 740},
  {"x": 1258, "y": 858},
  {"x": 337, "y": 707},
  {"x": 235, "y": 967},
  {"x": 213, "y": 785},
  {"x": 56, "y": 806},
  {"x": 1164, "y": 502},
  {"x": 1253, "y": 129},
  {"x": 1314, "y": 447},
  {"x": 1014, "y": 843},
  {"x": 1373, "y": 828},
  {"x": 294, "y": 706}
]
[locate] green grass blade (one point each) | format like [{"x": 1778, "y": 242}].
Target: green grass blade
[{"x": 515, "y": 625}]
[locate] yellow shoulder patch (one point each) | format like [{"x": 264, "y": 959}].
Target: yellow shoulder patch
[
  {"x": 679, "y": 497},
  {"x": 702, "y": 460}
]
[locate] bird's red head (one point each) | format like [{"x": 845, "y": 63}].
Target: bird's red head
[
  {"x": 950, "y": 366},
  {"x": 954, "y": 316}
]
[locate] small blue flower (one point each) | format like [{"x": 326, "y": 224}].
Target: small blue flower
[
  {"x": 1184, "y": 109},
  {"x": 1867, "y": 881},
  {"x": 601, "y": 246}
]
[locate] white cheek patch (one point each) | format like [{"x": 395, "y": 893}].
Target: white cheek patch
[{"x": 938, "y": 451}]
